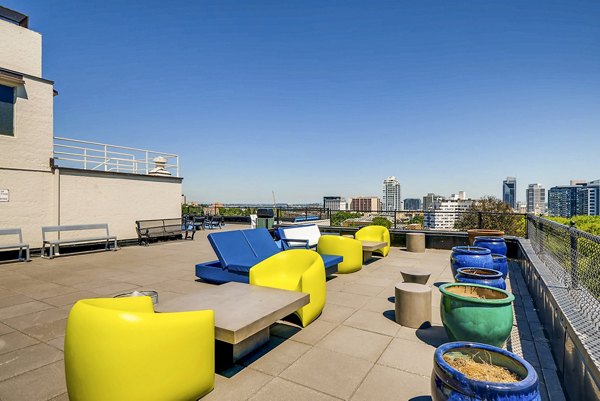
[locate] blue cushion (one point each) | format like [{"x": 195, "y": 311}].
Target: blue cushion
[
  {"x": 212, "y": 272},
  {"x": 262, "y": 243},
  {"x": 332, "y": 260},
  {"x": 241, "y": 249},
  {"x": 232, "y": 249}
]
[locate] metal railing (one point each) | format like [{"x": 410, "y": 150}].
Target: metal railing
[
  {"x": 573, "y": 256},
  {"x": 440, "y": 220},
  {"x": 88, "y": 155}
]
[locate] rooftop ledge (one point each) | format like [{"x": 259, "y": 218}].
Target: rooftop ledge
[
  {"x": 353, "y": 350},
  {"x": 96, "y": 156}
]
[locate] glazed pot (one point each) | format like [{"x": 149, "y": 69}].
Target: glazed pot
[
  {"x": 479, "y": 275},
  {"x": 474, "y": 312},
  {"x": 470, "y": 256},
  {"x": 495, "y": 244},
  {"x": 478, "y": 232},
  {"x": 449, "y": 384},
  {"x": 500, "y": 264}
]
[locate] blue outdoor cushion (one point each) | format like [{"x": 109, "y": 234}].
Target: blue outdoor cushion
[
  {"x": 211, "y": 272},
  {"x": 332, "y": 260},
  {"x": 241, "y": 249}
]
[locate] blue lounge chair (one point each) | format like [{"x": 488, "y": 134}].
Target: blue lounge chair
[{"x": 239, "y": 250}]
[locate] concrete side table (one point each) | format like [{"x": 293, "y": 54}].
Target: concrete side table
[
  {"x": 413, "y": 305},
  {"x": 415, "y": 275},
  {"x": 415, "y": 242}
]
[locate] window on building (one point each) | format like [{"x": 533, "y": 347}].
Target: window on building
[{"x": 7, "y": 110}]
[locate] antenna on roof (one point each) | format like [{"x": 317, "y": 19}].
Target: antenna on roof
[{"x": 274, "y": 203}]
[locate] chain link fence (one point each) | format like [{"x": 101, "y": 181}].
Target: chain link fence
[{"x": 573, "y": 256}]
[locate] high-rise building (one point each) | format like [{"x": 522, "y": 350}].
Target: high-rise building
[
  {"x": 391, "y": 194},
  {"x": 430, "y": 199},
  {"x": 412, "y": 204},
  {"x": 365, "y": 204},
  {"x": 444, "y": 213},
  {"x": 536, "y": 199},
  {"x": 562, "y": 200},
  {"x": 593, "y": 198},
  {"x": 334, "y": 203},
  {"x": 509, "y": 192},
  {"x": 588, "y": 199}
]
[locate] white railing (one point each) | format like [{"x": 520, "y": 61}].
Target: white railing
[{"x": 86, "y": 155}]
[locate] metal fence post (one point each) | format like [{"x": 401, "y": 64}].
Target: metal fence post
[
  {"x": 395, "y": 218},
  {"x": 574, "y": 256},
  {"x": 480, "y": 220}
]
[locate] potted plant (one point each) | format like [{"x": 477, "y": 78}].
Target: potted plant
[
  {"x": 479, "y": 232},
  {"x": 495, "y": 244},
  {"x": 472, "y": 371},
  {"x": 473, "y": 312},
  {"x": 470, "y": 256},
  {"x": 480, "y": 275}
]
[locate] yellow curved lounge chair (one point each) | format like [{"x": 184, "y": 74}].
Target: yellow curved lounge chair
[
  {"x": 349, "y": 248},
  {"x": 118, "y": 349},
  {"x": 375, "y": 233},
  {"x": 295, "y": 270}
]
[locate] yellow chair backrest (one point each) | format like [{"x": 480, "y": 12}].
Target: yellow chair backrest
[
  {"x": 119, "y": 349},
  {"x": 295, "y": 270},
  {"x": 349, "y": 248},
  {"x": 375, "y": 233}
]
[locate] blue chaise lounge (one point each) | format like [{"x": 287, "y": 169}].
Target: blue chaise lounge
[{"x": 239, "y": 250}]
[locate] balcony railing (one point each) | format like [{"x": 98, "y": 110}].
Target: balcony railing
[
  {"x": 573, "y": 256},
  {"x": 86, "y": 155}
]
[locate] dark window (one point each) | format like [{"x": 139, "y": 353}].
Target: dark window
[{"x": 7, "y": 110}]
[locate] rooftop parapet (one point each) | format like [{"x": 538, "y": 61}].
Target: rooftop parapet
[{"x": 86, "y": 155}]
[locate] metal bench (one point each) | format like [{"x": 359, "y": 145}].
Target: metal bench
[
  {"x": 19, "y": 245},
  {"x": 159, "y": 228},
  {"x": 53, "y": 244}
]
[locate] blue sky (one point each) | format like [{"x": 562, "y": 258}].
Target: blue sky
[{"x": 313, "y": 98}]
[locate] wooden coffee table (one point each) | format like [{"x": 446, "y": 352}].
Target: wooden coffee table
[
  {"x": 243, "y": 313},
  {"x": 369, "y": 247}
]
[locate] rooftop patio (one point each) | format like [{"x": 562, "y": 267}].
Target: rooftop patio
[{"x": 354, "y": 350}]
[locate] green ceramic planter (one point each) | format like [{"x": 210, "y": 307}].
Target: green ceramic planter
[{"x": 467, "y": 316}]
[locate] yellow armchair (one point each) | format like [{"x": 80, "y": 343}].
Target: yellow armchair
[
  {"x": 375, "y": 233},
  {"x": 350, "y": 249},
  {"x": 299, "y": 270},
  {"x": 119, "y": 349}
]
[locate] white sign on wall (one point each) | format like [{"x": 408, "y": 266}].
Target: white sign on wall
[{"x": 4, "y": 195}]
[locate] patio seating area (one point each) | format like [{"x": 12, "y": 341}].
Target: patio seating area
[{"x": 354, "y": 350}]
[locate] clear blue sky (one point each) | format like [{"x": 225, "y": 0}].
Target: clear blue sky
[{"x": 313, "y": 98}]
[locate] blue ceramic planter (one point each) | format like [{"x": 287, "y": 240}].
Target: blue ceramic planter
[
  {"x": 494, "y": 244},
  {"x": 480, "y": 275},
  {"x": 448, "y": 384},
  {"x": 500, "y": 264},
  {"x": 470, "y": 256}
]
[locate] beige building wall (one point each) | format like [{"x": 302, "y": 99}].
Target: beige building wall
[
  {"x": 31, "y": 204},
  {"x": 88, "y": 197},
  {"x": 31, "y": 146},
  {"x": 20, "y": 49}
]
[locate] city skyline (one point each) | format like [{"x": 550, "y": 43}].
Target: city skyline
[{"x": 443, "y": 95}]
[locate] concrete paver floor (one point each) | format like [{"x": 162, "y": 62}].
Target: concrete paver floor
[{"x": 353, "y": 351}]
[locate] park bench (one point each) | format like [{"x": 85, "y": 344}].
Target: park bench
[
  {"x": 53, "y": 244},
  {"x": 17, "y": 245},
  {"x": 160, "y": 228}
]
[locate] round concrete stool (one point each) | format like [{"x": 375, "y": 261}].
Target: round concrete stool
[
  {"x": 415, "y": 275},
  {"x": 415, "y": 242},
  {"x": 413, "y": 305}
]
